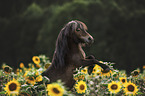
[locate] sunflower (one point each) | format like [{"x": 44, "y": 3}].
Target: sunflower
[
  {"x": 130, "y": 88},
  {"x": 81, "y": 87},
  {"x": 84, "y": 70},
  {"x": 12, "y": 87},
  {"x": 79, "y": 77},
  {"x": 114, "y": 87},
  {"x": 106, "y": 73},
  {"x": 22, "y": 65},
  {"x": 96, "y": 69},
  {"x": 36, "y": 73},
  {"x": 123, "y": 80},
  {"x": 17, "y": 71},
  {"x": 7, "y": 69},
  {"x": 32, "y": 66},
  {"x": 36, "y": 59},
  {"x": 55, "y": 89},
  {"x": 143, "y": 67},
  {"x": 38, "y": 66},
  {"x": 47, "y": 65},
  {"x": 26, "y": 73},
  {"x": 135, "y": 73},
  {"x": 30, "y": 80},
  {"x": 39, "y": 78},
  {"x": 115, "y": 74}
]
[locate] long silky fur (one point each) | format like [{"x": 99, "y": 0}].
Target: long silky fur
[{"x": 62, "y": 46}]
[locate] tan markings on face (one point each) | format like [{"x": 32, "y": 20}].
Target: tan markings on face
[{"x": 81, "y": 31}]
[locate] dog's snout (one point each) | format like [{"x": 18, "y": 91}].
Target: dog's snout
[{"x": 91, "y": 39}]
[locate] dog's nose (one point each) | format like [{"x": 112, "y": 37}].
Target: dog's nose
[{"x": 91, "y": 39}]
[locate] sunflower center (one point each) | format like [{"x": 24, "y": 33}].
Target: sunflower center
[
  {"x": 84, "y": 70},
  {"x": 55, "y": 90},
  {"x": 12, "y": 86},
  {"x": 123, "y": 80},
  {"x": 7, "y": 69},
  {"x": 82, "y": 87},
  {"x": 114, "y": 87},
  {"x": 36, "y": 59},
  {"x": 131, "y": 88},
  {"x": 135, "y": 73},
  {"x": 31, "y": 78}
]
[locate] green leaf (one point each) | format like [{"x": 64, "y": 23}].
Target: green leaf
[
  {"x": 2, "y": 92},
  {"x": 139, "y": 93}
]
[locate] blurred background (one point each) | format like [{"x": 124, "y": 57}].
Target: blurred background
[{"x": 31, "y": 27}]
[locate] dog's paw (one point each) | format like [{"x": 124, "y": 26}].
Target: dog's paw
[
  {"x": 90, "y": 69},
  {"x": 107, "y": 69}
]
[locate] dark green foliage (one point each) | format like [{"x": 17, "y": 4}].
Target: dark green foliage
[{"x": 30, "y": 28}]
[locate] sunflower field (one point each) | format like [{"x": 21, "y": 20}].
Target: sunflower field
[{"x": 25, "y": 81}]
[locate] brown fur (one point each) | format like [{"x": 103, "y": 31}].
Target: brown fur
[{"x": 69, "y": 54}]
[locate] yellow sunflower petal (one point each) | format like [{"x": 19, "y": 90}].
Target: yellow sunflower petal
[
  {"x": 55, "y": 90},
  {"x": 36, "y": 59},
  {"x": 114, "y": 87},
  {"x": 81, "y": 87},
  {"x": 85, "y": 70},
  {"x": 96, "y": 69},
  {"x": 21, "y": 65},
  {"x": 30, "y": 80},
  {"x": 12, "y": 87},
  {"x": 39, "y": 78},
  {"x": 123, "y": 80},
  {"x": 130, "y": 88}
]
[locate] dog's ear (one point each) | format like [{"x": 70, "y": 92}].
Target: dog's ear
[{"x": 72, "y": 25}]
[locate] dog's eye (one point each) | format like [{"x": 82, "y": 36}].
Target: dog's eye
[{"x": 78, "y": 29}]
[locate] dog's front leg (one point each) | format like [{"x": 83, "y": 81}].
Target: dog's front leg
[
  {"x": 91, "y": 67},
  {"x": 89, "y": 62}
]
